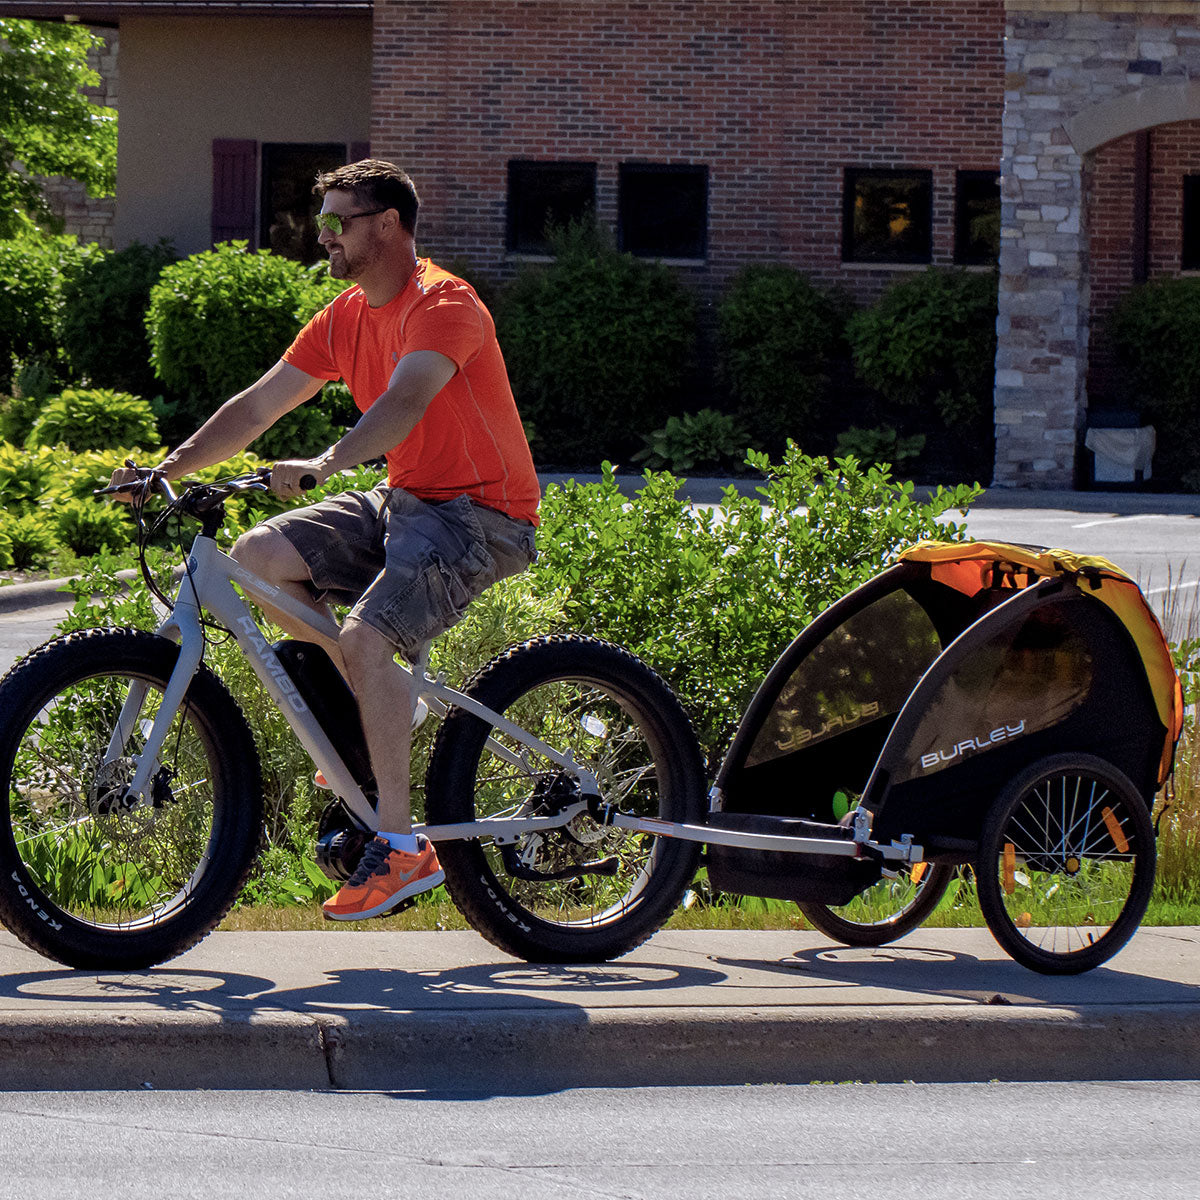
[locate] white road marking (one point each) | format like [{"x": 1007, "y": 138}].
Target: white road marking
[
  {"x": 1123, "y": 520},
  {"x": 1180, "y": 587}
]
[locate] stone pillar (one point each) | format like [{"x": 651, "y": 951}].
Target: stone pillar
[
  {"x": 1042, "y": 335},
  {"x": 88, "y": 218},
  {"x": 1078, "y": 73}
]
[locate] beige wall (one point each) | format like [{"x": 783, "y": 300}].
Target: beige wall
[{"x": 185, "y": 81}]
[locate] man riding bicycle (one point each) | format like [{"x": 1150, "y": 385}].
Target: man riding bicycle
[{"x": 418, "y": 350}]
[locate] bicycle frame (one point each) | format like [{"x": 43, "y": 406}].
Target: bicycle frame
[{"x": 208, "y": 584}]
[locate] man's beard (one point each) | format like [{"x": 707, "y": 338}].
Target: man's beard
[{"x": 341, "y": 267}]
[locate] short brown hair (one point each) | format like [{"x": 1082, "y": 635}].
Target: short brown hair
[{"x": 374, "y": 184}]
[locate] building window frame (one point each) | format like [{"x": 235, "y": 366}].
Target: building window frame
[
  {"x": 1189, "y": 238},
  {"x": 858, "y": 244},
  {"x": 237, "y": 187},
  {"x": 296, "y": 199},
  {"x": 545, "y": 192},
  {"x": 967, "y": 252},
  {"x": 689, "y": 183}
]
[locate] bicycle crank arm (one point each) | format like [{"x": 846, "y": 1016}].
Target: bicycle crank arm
[{"x": 518, "y": 870}]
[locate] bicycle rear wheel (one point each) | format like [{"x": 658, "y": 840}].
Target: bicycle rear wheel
[
  {"x": 83, "y": 878},
  {"x": 583, "y": 892}
]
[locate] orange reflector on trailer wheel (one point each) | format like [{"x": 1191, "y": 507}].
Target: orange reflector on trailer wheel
[
  {"x": 918, "y": 872},
  {"x": 1115, "y": 831},
  {"x": 1009, "y": 868}
]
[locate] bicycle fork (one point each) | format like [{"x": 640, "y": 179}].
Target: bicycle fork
[{"x": 130, "y": 719}]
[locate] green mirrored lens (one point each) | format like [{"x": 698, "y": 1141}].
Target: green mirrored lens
[{"x": 330, "y": 221}]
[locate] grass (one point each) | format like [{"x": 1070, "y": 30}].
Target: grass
[
  {"x": 746, "y": 913},
  {"x": 429, "y": 915}
]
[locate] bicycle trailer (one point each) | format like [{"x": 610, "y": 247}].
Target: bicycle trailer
[{"x": 1003, "y": 706}]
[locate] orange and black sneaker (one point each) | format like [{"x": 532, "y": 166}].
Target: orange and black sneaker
[{"x": 384, "y": 878}]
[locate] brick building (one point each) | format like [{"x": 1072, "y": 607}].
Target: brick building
[
  {"x": 853, "y": 139},
  {"x": 712, "y": 134}
]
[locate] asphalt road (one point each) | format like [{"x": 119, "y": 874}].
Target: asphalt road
[
  {"x": 1102, "y": 1140},
  {"x": 19, "y": 631}
]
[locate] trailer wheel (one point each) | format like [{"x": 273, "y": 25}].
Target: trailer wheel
[{"x": 1066, "y": 864}]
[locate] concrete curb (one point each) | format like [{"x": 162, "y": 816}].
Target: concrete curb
[
  {"x": 533, "y": 1050},
  {"x": 41, "y": 593}
]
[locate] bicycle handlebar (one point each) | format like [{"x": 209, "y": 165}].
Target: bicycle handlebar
[{"x": 207, "y": 493}]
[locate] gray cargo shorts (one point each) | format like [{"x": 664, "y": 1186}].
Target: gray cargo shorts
[{"x": 408, "y": 568}]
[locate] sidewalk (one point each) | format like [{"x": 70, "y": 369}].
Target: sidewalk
[{"x": 446, "y": 1012}]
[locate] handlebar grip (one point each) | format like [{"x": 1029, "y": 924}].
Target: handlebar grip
[{"x": 308, "y": 482}]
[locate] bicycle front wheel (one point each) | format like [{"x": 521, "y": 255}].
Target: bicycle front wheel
[
  {"x": 886, "y": 911},
  {"x": 86, "y": 878},
  {"x": 1066, "y": 864},
  {"x": 582, "y": 892}
]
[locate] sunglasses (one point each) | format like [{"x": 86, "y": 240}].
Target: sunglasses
[{"x": 335, "y": 223}]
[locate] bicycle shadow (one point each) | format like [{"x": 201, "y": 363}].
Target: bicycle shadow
[
  {"x": 379, "y": 991},
  {"x": 918, "y": 972}
]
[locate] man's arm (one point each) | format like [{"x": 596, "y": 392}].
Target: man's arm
[
  {"x": 417, "y": 379},
  {"x": 234, "y": 425},
  {"x": 241, "y": 419}
]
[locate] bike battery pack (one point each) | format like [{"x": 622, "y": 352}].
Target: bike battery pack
[{"x": 323, "y": 689}]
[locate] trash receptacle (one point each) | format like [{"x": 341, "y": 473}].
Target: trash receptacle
[{"x": 1121, "y": 455}]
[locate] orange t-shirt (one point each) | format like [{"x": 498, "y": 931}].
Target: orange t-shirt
[{"x": 470, "y": 439}]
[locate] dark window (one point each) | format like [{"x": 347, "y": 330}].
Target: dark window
[
  {"x": 288, "y": 205},
  {"x": 662, "y": 211},
  {"x": 1191, "y": 223},
  {"x": 887, "y": 216},
  {"x": 977, "y": 218},
  {"x": 546, "y": 194}
]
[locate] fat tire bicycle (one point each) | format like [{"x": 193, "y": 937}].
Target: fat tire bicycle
[{"x": 131, "y": 807}]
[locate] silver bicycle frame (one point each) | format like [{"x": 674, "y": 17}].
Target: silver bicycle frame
[{"x": 209, "y": 584}]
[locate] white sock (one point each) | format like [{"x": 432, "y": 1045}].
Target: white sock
[{"x": 407, "y": 842}]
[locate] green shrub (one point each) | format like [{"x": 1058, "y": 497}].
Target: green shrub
[
  {"x": 880, "y": 445},
  {"x": 929, "y": 344},
  {"x": 25, "y": 476},
  {"x": 86, "y": 527},
  {"x": 1154, "y": 333},
  {"x": 219, "y": 319},
  {"x": 33, "y": 272},
  {"x": 95, "y": 419},
  {"x": 711, "y": 597},
  {"x": 31, "y": 537},
  {"x": 779, "y": 335},
  {"x": 705, "y": 440},
  {"x": 104, "y": 317},
  {"x": 310, "y": 428},
  {"x": 597, "y": 344}
]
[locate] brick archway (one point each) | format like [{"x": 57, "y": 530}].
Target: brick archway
[{"x": 1075, "y": 81}]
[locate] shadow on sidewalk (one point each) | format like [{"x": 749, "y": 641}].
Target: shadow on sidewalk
[
  {"x": 495, "y": 986},
  {"x": 913, "y": 974}
]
